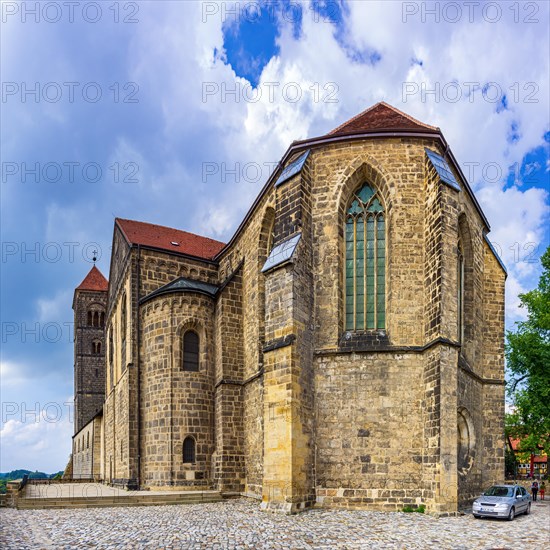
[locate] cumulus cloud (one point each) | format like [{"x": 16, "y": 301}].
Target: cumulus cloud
[
  {"x": 35, "y": 436},
  {"x": 196, "y": 146}
]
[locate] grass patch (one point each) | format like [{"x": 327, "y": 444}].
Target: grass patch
[{"x": 419, "y": 509}]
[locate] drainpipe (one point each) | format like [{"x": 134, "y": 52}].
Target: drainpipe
[{"x": 138, "y": 383}]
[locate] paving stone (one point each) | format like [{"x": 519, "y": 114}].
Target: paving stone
[{"x": 240, "y": 524}]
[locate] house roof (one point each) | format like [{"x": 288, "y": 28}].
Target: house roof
[
  {"x": 94, "y": 281},
  {"x": 380, "y": 117},
  {"x": 514, "y": 444},
  {"x": 169, "y": 239}
]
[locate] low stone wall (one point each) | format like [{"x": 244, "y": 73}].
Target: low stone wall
[{"x": 13, "y": 492}]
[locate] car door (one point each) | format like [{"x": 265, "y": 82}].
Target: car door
[
  {"x": 525, "y": 497},
  {"x": 520, "y": 501}
]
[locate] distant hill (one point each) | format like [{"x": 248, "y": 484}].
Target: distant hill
[{"x": 18, "y": 474}]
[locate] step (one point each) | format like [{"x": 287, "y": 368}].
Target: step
[{"x": 125, "y": 500}]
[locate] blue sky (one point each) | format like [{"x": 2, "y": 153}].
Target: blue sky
[{"x": 174, "y": 113}]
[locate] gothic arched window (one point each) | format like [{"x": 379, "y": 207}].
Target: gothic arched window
[
  {"x": 190, "y": 351},
  {"x": 365, "y": 261},
  {"x": 460, "y": 292},
  {"x": 189, "y": 450}
]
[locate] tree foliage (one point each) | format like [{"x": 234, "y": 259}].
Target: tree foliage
[{"x": 528, "y": 359}]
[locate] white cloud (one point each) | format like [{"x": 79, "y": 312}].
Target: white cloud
[
  {"x": 35, "y": 436},
  {"x": 171, "y": 55},
  {"x": 11, "y": 374},
  {"x": 56, "y": 308}
]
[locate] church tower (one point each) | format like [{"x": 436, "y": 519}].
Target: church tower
[{"x": 89, "y": 305}]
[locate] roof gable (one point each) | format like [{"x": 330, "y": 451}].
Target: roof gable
[
  {"x": 381, "y": 117},
  {"x": 169, "y": 239},
  {"x": 94, "y": 281}
]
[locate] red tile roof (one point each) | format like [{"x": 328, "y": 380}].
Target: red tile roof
[
  {"x": 514, "y": 443},
  {"x": 169, "y": 239},
  {"x": 94, "y": 281},
  {"x": 381, "y": 117}
]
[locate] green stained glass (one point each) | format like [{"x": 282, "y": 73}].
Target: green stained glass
[
  {"x": 370, "y": 319},
  {"x": 375, "y": 206},
  {"x": 365, "y": 235},
  {"x": 355, "y": 208},
  {"x": 365, "y": 193},
  {"x": 360, "y": 231}
]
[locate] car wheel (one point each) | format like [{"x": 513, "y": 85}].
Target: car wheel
[
  {"x": 512, "y": 514},
  {"x": 528, "y": 511},
  {"x": 476, "y": 516}
]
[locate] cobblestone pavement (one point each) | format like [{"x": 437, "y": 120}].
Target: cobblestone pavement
[{"x": 241, "y": 524}]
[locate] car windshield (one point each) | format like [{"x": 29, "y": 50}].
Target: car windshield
[{"x": 499, "y": 492}]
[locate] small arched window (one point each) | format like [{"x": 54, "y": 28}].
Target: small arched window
[
  {"x": 102, "y": 319},
  {"x": 88, "y": 440},
  {"x": 96, "y": 347},
  {"x": 89, "y": 318},
  {"x": 365, "y": 261},
  {"x": 189, "y": 450},
  {"x": 190, "y": 351}
]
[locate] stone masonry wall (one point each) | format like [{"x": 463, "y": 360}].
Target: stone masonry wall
[
  {"x": 176, "y": 403},
  {"x": 370, "y": 422},
  {"x": 89, "y": 367}
]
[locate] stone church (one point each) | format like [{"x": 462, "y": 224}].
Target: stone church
[{"x": 344, "y": 348}]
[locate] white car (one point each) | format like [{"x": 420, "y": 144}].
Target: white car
[{"x": 502, "y": 501}]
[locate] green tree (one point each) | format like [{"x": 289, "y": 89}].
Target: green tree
[{"x": 528, "y": 359}]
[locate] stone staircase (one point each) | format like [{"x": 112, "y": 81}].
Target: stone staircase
[{"x": 136, "y": 498}]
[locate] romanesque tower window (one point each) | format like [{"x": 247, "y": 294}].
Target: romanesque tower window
[
  {"x": 96, "y": 319},
  {"x": 96, "y": 347},
  {"x": 189, "y": 450},
  {"x": 460, "y": 292},
  {"x": 190, "y": 351},
  {"x": 365, "y": 261}
]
